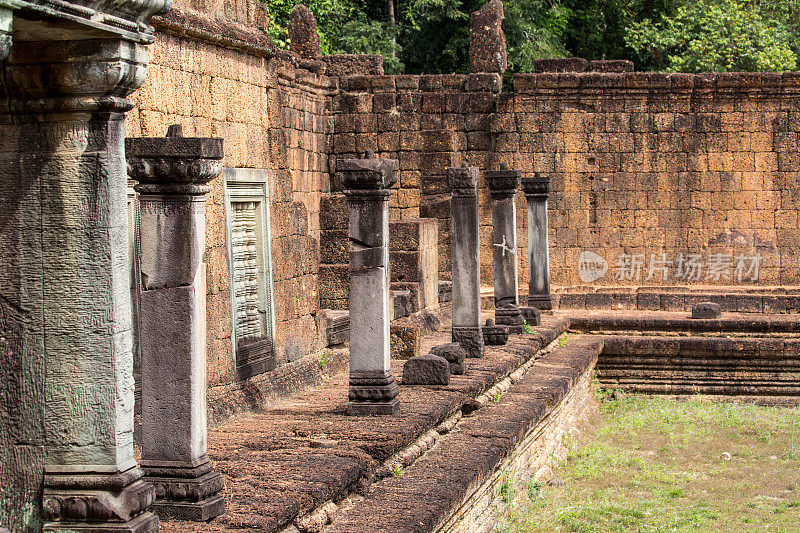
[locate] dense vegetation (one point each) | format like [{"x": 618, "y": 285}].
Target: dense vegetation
[{"x": 432, "y": 36}]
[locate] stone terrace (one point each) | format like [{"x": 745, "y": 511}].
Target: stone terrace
[{"x": 284, "y": 463}]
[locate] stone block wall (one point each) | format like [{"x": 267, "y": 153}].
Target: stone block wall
[{"x": 642, "y": 163}]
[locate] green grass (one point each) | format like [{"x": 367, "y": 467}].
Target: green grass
[{"x": 658, "y": 465}]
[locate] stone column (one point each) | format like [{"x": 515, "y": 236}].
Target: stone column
[
  {"x": 173, "y": 175},
  {"x": 367, "y": 183},
  {"x": 537, "y": 189},
  {"x": 466, "y": 267},
  {"x": 66, "y": 367},
  {"x": 503, "y": 185}
]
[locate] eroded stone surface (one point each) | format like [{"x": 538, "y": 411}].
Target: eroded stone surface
[
  {"x": 487, "y": 43},
  {"x": 706, "y": 310},
  {"x": 426, "y": 369},
  {"x": 303, "y": 34}
]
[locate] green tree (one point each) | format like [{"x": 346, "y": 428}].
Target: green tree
[{"x": 717, "y": 35}]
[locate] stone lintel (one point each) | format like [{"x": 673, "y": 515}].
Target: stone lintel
[
  {"x": 536, "y": 186},
  {"x": 463, "y": 181},
  {"x": 127, "y": 20},
  {"x": 366, "y": 176}
]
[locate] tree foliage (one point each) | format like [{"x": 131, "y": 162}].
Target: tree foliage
[
  {"x": 432, "y": 36},
  {"x": 715, "y": 36}
]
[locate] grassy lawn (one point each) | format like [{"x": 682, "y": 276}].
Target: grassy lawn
[{"x": 659, "y": 465}]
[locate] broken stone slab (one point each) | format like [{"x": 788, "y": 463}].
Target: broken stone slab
[
  {"x": 494, "y": 335},
  {"x": 532, "y": 315},
  {"x": 487, "y": 43},
  {"x": 303, "y": 33},
  {"x": 611, "y": 65},
  {"x": 706, "y": 310},
  {"x": 454, "y": 354},
  {"x": 334, "y": 326},
  {"x": 402, "y": 303},
  {"x": 561, "y": 64},
  {"x": 426, "y": 369},
  {"x": 406, "y": 339}
]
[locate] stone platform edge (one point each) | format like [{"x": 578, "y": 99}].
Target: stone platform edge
[{"x": 456, "y": 483}]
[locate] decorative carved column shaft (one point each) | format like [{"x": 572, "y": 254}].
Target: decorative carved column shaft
[
  {"x": 537, "y": 190},
  {"x": 173, "y": 175},
  {"x": 466, "y": 266},
  {"x": 65, "y": 311},
  {"x": 503, "y": 185},
  {"x": 367, "y": 183}
]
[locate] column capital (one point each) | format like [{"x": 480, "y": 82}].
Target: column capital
[
  {"x": 65, "y": 77},
  {"x": 367, "y": 176},
  {"x": 173, "y": 165},
  {"x": 536, "y": 185},
  {"x": 463, "y": 181},
  {"x": 502, "y": 183}
]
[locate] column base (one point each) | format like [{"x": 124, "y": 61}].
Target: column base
[
  {"x": 373, "y": 393},
  {"x": 98, "y": 502},
  {"x": 543, "y": 302},
  {"x": 373, "y": 408},
  {"x": 144, "y": 523},
  {"x": 470, "y": 338},
  {"x": 509, "y": 316},
  {"x": 186, "y": 493}
]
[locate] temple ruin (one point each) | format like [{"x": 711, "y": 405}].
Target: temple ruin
[{"x": 240, "y": 285}]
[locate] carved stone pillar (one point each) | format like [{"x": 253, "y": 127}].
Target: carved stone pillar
[
  {"x": 172, "y": 175},
  {"x": 367, "y": 182},
  {"x": 537, "y": 190},
  {"x": 66, "y": 377},
  {"x": 503, "y": 185},
  {"x": 466, "y": 259},
  {"x": 64, "y": 274}
]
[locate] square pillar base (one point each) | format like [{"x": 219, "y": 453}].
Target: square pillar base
[
  {"x": 470, "y": 338},
  {"x": 373, "y": 408},
  {"x": 201, "y": 511},
  {"x": 543, "y": 302},
  {"x": 98, "y": 501},
  {"x": 509, "y": 316},
  {"x": 144, "y": 523},
  {"x": 190, "y": 493},
  {"x": 373, "y": 393}
]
